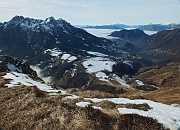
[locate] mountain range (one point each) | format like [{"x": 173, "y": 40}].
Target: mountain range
[
  {"x": 67, "y": 78},
  {"x": 67, "y": 54},
  {"x": 70, "y": 56},
  {"x": 148, "y": 27}
]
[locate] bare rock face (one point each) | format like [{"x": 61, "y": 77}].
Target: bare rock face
[{"x": 8, "y": 63}]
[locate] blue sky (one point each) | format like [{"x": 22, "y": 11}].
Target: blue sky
[{"x": 95, "y": 12}]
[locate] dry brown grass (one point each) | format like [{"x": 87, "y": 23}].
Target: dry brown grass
[
  {"x": 143, "y": 106},
  {"x": 136, "y": 122},
  {"x": 164, "y": 76},
  {"x": 165, "y": 95},
  {"x": 105, "y": 104},
  {"x": 92, "y": 94},
  {"x": 30, "y": 108}
]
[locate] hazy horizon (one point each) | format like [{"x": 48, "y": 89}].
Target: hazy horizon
[{"x": 91, "y": 12}]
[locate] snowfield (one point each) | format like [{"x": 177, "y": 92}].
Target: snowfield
[
  {"x": 97, "y": 64},
  {"x": 55, "y": 52},
  {"x": 68, "y": 57}
]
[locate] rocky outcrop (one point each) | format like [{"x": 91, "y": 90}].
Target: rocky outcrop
[{"x": 8, "y": 63}]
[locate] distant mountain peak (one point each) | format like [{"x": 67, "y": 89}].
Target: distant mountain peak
[
  {"x": 17, "y": 18},
  {"x": 49, "y": 19},
  {"x": 133, "y": 36}
]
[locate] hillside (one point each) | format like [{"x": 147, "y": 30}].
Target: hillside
[
  {"x": 164, "y": 45},
  {"x": 41, "y": 106},
  {"x": 64, "y": 55},
  {"x": 133, "y": 36}
]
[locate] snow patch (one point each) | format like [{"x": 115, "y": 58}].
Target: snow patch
[
  {"x": 71, "y": 59},
  {"x": 96, "y": 53},
  {"x": 97, "y": 64},
  {"x": 23, "y": 79},
  {"x": 166, "y": 114},
  {"x": 121, "y": 81},
  {"x": 13, "y": 68},
  {"x": 82, "y": 104},
  {"x": 128, "y": 62},
  {"x": 68, "y": 57},
  {"x": 39, "y": 73},
  {"x": 53, "y": 52},
  {"x": 139, "y": 82},
  {"x": 72, "y": 97},
  {"x": 102, "y": 76}
]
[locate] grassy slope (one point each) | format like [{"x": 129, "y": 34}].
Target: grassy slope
[{"x": 29, "y": 108}]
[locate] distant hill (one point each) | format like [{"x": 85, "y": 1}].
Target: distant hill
[
  {"x": 127, "y": 47},
  {"x": 158, "y": 27},
  {"x": 112, "y": 26},
  {"x": 133, "y": 36},
  {"x": 163, "y": 45}
]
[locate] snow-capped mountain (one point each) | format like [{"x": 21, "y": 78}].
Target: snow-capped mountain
[{"x": 26, "y": 37}]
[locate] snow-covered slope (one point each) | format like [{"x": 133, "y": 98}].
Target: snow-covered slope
[{"x": 168, "y": 115}]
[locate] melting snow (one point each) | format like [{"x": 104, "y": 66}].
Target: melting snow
[
  {"x": 139, "y": 82},
  {"x": 38, "y": 70},
  {"x": 71, "y": 59},
  {"x": 102, "y": 76},
  {"x": 68, "y": 57},
  {"x": 53, "y": 52},
  {"x": 65, "y": 56},
  {"x": 13, "y": 68},
  {"x": 128, "y": 62},
  {"x": 166, "y": 114},
  {"x": 97, "y": 64},
  {"x": 82, "y": 104},
  {"x": 72, "y": 97},
  {"x": 19, "y": 78},
  {"x": 96, "y": 53},
  {"x": 121, "y": 81}
]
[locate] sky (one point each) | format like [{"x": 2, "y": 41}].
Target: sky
[{"x": 95, "y": 12}]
